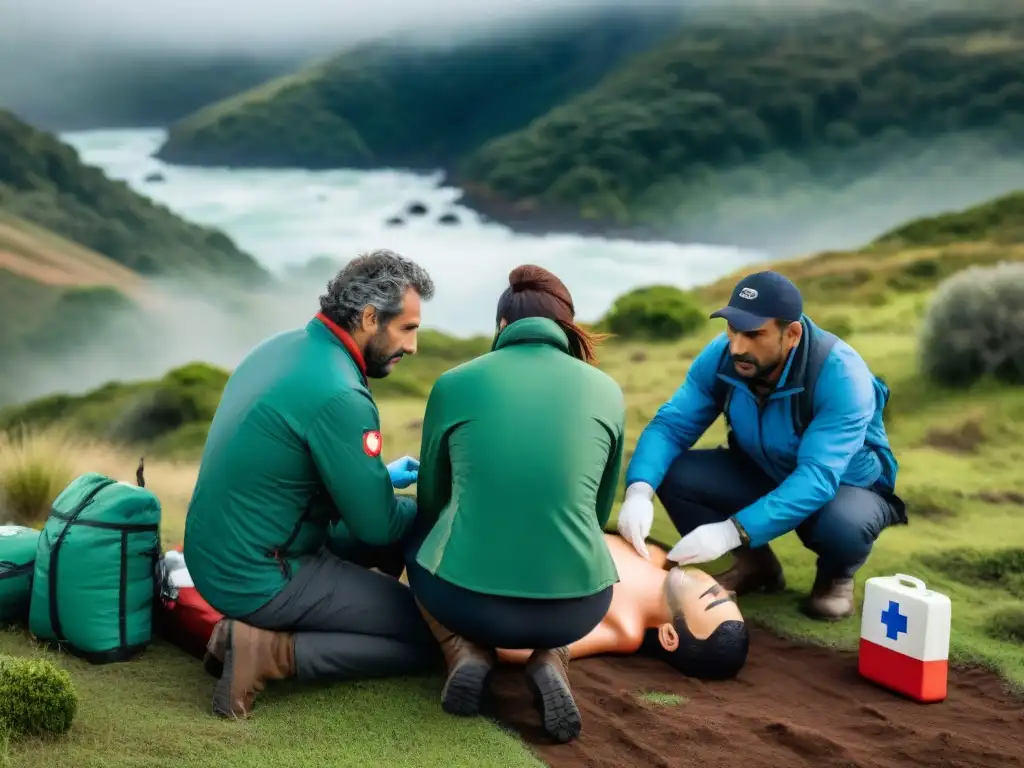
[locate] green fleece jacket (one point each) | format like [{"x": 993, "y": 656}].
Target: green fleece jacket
[
  {"x": 294, "y": 446},
  {"x": 519, "y": 466}
]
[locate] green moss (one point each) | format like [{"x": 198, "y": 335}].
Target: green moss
[
  {"x": 998, "y": 569},
  {"x": 662, "y": 699},
  {"x": 1007, "y": 625},
  {"x": 36, "y": 698}
]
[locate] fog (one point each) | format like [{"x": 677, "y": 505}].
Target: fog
[{"x": 949, "y": 174}]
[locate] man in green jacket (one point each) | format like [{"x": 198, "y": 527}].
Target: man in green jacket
[{"x": 295, "y": 445}]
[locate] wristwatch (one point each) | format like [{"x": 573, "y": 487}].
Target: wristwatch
[{"x": 744, "y": 538}]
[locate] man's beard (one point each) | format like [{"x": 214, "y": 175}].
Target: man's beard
[
  {"x": 378, "y": 357},
  {"x": 762, "y": 371}
]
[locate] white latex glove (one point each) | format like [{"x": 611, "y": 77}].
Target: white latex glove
[
  {"x": 706, "y": 543},
  {"x": 636, "y": 516}
]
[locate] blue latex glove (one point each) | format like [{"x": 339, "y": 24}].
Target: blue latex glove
[{"x": 404, "y": 471}]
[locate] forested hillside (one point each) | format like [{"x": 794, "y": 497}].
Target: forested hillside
[
  {"x": 389, "y": 104},
  {"x": 824, "y": 96},
  {"x": 43, "y": 181}
]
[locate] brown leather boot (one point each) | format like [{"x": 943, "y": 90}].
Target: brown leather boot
[
  {"x": 469, "y": 670},
  {"x": 216, "y": 647},
  {"x": 547, "y": 675},
  {"x": 830, "y": 599},
  {"x": 253, "y": 657},
  {"x": 753, "y": 570}
]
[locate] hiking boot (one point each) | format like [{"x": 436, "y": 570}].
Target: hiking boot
[
  {"x": 469, "y": 670},
  {"x": 252, "y": 658},
  {"x": 547, "y": 675},
  {"x": 753, "y": 570},
  {"x": 216, "y": 647},
  {"x": 830, "y": 599}
]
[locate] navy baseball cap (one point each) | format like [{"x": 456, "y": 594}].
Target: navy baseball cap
[{"x": 761, "y": 297}]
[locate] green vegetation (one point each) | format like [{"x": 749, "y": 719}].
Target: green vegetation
[
  {"x": 655, "y": 313},
  {"x": 43, "y": 181},
  {"x": 32, "y": 475},
  {"x": 958, "y": 449},
  {"x": 169, "y": 416},
  {"x": 998, "y": 221},
  {"x": 691, "y": 121},
  {"x": 388, "y": 104},
  {"x": 974, "y": 327},
  {"x": 662, "y": 699},
  {"x": 113, "y": 87},
  {"x": 824, "y": 97},
  {"x": 37, "y": 698}
]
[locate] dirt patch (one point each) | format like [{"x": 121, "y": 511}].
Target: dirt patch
[
  {"x": 964, "y": 438},
  {"x": 792, "y": 705},
  {"x": 41, "y": 273},
  {"x": 1000, "y": 497}
]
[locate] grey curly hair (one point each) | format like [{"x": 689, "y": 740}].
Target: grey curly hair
[{"x": 379, "y": 278}]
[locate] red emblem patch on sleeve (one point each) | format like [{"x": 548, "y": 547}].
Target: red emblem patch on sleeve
[{"x": 372, "y": 443}]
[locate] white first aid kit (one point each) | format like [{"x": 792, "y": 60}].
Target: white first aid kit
[{"x": 904, "y": 636}]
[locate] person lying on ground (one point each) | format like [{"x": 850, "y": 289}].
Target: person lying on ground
[
  {"x": 521, "y": 454},
  {"x": 295, "y": 445},
  {"x": 807, "y": 450},
  {"x": 679, "y": 614}
]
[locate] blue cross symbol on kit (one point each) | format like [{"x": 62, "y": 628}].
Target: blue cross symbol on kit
[{"x": 895, "y": 622}]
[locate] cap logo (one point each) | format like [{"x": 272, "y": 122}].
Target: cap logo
[{"x": 748, "y": 293}]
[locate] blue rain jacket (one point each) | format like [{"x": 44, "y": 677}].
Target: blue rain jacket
[{"x": 844, "y": 443}]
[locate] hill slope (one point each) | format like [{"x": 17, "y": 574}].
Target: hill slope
[
  {"x": 170, "y": 416},
  {"x": 43, "y": 181},
  {"x": 93, "y": 89},
  {"x": 385, "y": 104},
  {"x": 827, "y": 96}
]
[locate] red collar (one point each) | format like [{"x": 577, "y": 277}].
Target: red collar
[{"x": 346, "y": 339}]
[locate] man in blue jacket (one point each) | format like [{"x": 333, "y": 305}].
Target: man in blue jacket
[{"x": 807, "y": 450}]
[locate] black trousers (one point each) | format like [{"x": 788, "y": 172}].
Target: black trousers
[
  {"x": 350, "y": 623},
  {"x": 496, "y": 621}
]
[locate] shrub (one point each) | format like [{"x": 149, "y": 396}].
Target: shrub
[
  {"x": 1006, "y": 625},
  {"x": 974, "y": 327},
  {"x": 34, "y": 468},
  {"x": 655, "y": 313},
  {"x": 37, "y": 698},
  {"x": 183, "y": 396}
]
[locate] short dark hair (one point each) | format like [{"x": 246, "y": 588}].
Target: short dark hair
[{"x": 378, "y": 278}]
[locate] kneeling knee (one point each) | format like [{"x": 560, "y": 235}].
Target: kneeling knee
[{"x": 841, "y": 537}]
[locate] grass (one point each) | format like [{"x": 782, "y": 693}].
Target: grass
[
  {"x": 662, "y": 699},
  {"x": 963, "y": 494}
]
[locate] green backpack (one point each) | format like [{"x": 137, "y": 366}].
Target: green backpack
[
  {"x": 17, "y": 560},
  {"x": 95, "y": 576}
]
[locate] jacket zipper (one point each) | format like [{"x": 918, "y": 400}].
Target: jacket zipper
[{"x": 280, "y": 554}]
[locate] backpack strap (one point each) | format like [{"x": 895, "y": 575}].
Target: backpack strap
[
  {"x": 819, "y": 346},
  {"x": 721, "y": 391}
]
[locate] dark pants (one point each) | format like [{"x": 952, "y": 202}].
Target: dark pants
[
  {"x": 350, "y": 623},
  {"x": 709, "y": 486},
  {"x": 497, "y": 621}
]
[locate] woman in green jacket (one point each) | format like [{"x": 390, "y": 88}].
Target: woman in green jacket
[{"x": 519, "y": 467}]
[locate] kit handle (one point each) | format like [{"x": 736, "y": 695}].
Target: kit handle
[{"x": 903, "y": 578}]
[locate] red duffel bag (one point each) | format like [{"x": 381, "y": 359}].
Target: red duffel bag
[{"x": 183, "y": 617}]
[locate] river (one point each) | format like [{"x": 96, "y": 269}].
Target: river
[{"x": 286, "y": 217}]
